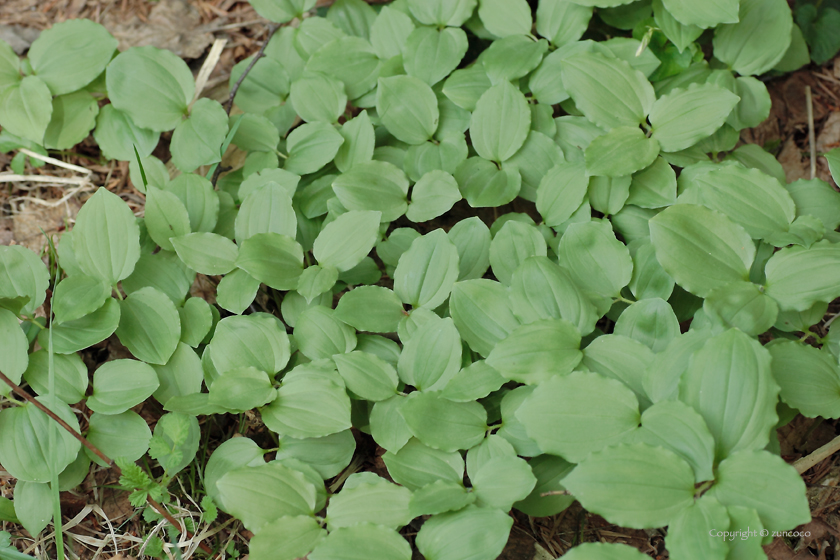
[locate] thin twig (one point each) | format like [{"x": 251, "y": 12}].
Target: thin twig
[
  {"x": 811, "y": 141},
  {"x": 827, "y": 450},
  {"x": 27, "y": 397},
  {"x": 11, "y": 178},
  {"x": 57, "y": 162},
  {"x": 272, "y": 29}
]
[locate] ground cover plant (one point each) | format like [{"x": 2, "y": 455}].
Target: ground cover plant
[{"x": 631, "y": 341}]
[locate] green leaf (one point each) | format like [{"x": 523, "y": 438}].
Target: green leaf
[
  {"x": 501, "y": 481},
  {"x": 431, "y": 54},
  {"x": 691, "y": 530},
  {"x": 703, "y": 15},
  {"x": 267, "y": 209},
  {"x": 162, "y": 270},
  {"x": 273, "y": 259},
  {"x": 513, "y": 244},
  {"x": 561, "y": 192},
  {"x": 71, "y": 375},
  {"x": 741, "y": 408},
  {"x": 604, "y": 551},
  {"x": 562, "y": 21},
  {"x": 595, "y": 259},
  {"x": 311, "y": 146},
  {"x": 622, "y": 151},
  {"x": 817, "y": 198},
  {"x": 750, "y": 198},
  {"x": 359, "y": 141},
  {"x": 320, "y": 334},
  {"x": 316, "y": 280},
  {"x": 534, "y": 159},
  {"x": 434, "y": 194},
  {"x": 655, "y": 186},
  {"x": 262, "y": 494},
  {"x": 380, "y": 503},
  {"x": 503, "y": 18},
  {"x": 681, "y": 34},
  {"x": 759, "y": 39},
  {"x": 23, "y": 274},
  {"x": 77, "y": 296},
  {"x": 265, "y": 86},
  {"x": 198, "y": 139},
  {"x": 442, "y": 12},
  {"x": 166, "y": 217},
  {"x": 653, "y": 487},
  {"x": 743, "y": 306},
  {"x": 175, "y": 441},
  {"x": 370, "y": 308},
  {"x": 33, "y": 506},
  {"x": 26, "y": 108},
  {"x": 431, "y": 419},
  {"x": 537, "y": 351},
  {"x": 306, "y": 408},
  {"x": 679, "y": 428},
  {"x": 472, "y": 532},
  {"x": 622, "y": 358},
  {"x": 281, "y": 11},
  {"x": 744, "y": 478},
  {"x": 431, "y": 372},
  {"x": 73, "y": 117},
  {"x": 327, "y": 456},
  {"x": 809, "y": 379},
  {"x": 257, "y": 340},
  {"x": 471, "y": 238},
  {"x": 651, "y": 322},
  {"x": 91, "y": 329},
  {"x": 388, "y": 427},
  {"x": 14, "y": 361},
  {"x": 484, "y": 185},
  {"x": 362, "y": 541},
  {"x": 427, "y": 271},
  {"x": 549, "y": 472},
  {"x": 540, "y": 289},
  {"x": 71, "y": 54},
  {"x": 438, "y": 497},
  {"x": 662, "y": 378},
  {"x": 649, "y": 279},
  {"x": 367, "y": 375},
  {"x": 500, "y": 123},
  {"x": 9, "y": 66},
  {"x": 26, "y": 434},
  {"x": 389, "y": 32},
  {"x": 106, "y": 239},
  {"x": 152, "y": 86},
  {"x": 607, "y": 90},
  {"x": 742, "y": 518},
  {"x": 286, "y": 538},
  {"x": 150, "y": 326},
  {"x": 608, "y": 194},
  {"x": 475, "y": 381},
  {"x": 373, "y": 185},
  {"x": 408, "y": 108},
  {"x": 117, "y": 135},
  {"x": 683, "y": 117},
  {"x": 231, "y": 454},
  {"x": 465, "y": 86},
  {"x": 121, "y": 384},
  {"x": 701, "y": 248},
  {"x": 237, "y": 291},
  {"x": 354, "y": 17},
  {"x": 255, "y": 134},
  {"x": 349, "y": 59},
  {"x": 242, "y": 389},
  {"x": 574, "y": 415},
  {"x": 798, "y": 277},
  {"x": 416, "y": 465},
  {"x": 317, "y": 97},
  {"x": 182, "y": 375},
  {"x": 344, "y": 242},
  {"x": 482, "y": 312},
  {"x": 124, "y": 435}
]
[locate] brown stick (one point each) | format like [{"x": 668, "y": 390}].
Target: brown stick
[
  {"x": 24, "y": 395},
  {"x": 28, "y": 398}
]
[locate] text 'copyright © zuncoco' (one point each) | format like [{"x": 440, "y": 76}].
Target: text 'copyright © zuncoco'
[{"x": 747, "y": 533}]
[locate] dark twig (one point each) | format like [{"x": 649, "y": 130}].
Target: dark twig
[
  {"x": 272, "y": 29},
  {"x": 24, "y": 395},
  {"x": 28, "y": 398}
]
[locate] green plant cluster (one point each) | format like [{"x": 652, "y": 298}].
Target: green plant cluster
[{"x": 475, "y": 349}]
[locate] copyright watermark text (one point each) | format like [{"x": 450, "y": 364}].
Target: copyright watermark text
[{"x": 747, "y": 533}]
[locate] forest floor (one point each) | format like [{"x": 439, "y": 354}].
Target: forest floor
[{"x": 99, "y": 518}]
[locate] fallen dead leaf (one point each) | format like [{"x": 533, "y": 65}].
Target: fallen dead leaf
[{"x": 172, "y": 24}]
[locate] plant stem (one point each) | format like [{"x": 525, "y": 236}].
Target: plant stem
[{"x": 824, "y": 452}]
